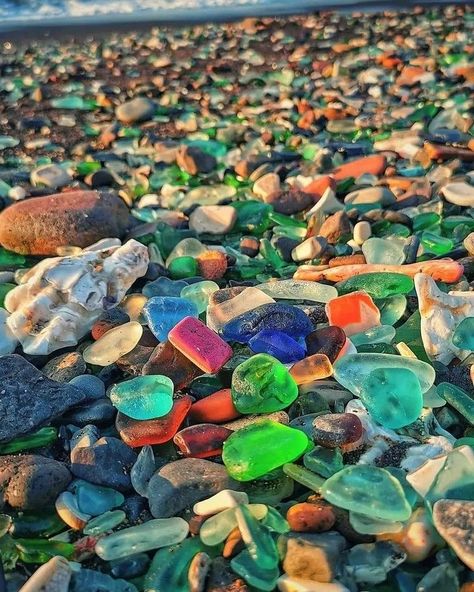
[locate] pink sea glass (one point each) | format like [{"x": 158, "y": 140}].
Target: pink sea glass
[{"x": 199, "y": 344}]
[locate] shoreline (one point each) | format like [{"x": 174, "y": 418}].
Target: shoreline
[{"x": 64, "y": 26}]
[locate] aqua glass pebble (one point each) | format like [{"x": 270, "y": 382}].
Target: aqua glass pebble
[
  {"x": 163, "y": 286},
  {"x": 303, "y": 476},
  {"x": 199, "y": 293},
  {"x": 392, "y": 396},
  {"x": 323, "y": 461},
  {"x": 257, "y": 538},
  {"x": 153, "y": 534},
  {"x": 277, "y": 344},
  {"x": 379, "y": 334},
  {"x": 262, "y": 384},
  {"x": 352, "y": 370},
  {"x": 464, "y": 334},
  {"x": 367, "y": 525},
  {"x": 252, "y": 573},
  {"x": 455, "y": 480},
  {"x": 143, "y": 397},
  {"x": 391, "y": 308},
  {"x": 457, "y": 398},
  {"x": 383, "y": 250},
  {"x": 275, "y": 521},
  {"x": 367, "y": 490},
  {"x": 104, "y": 522},
  {"x": 164, "y": 312},
  {"x": 94, "y": 499}
]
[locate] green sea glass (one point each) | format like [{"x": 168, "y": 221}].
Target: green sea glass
[
  {"x": 323, "y": 461},
  {"x": 144, "y": 397},
  {"x": 199, "y": 294},
  {"x": 43, "y": 437},
  {"x": 262, "y": 384},
  {"x": 457, "y": 398},
  {"x": 183, "y": 267},
  {"x": 105, "y": 522},
  {"x": 382, "y": 250},
  {"x": 256, "y": 576},
  {"x": 259, "y": 448},
  {"x": 217, "y": 528},
  {"x": 303, "y": 476},
  {"x": 368, "y": 490},
  {"x": 257, "y": 538},
  {"x": 378, "y": 284}
]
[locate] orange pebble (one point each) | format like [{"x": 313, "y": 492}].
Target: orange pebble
[
  {"x": 305, "y": 517},
  {"x": 313, "y": 367},
  {"x": 212, "y": 264},
  {"x": 372, "y": 165},
  {"x": 319, "y": 186},
  {"x": 215, "y": 408},
  {"x": 233, "y": 543},
  {"x": 354, "y": 312}
]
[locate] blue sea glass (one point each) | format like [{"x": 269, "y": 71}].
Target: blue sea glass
[
  {"x": 164, "y": 312},
  {"x": 277, "y": 344}
]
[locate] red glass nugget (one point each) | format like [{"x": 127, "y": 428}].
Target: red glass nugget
[{"x": 199, "y": 344}]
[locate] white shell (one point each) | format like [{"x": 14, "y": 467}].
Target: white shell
[
  {"x": 440, "y": 315},
  {"x": 59, "y": 299}
]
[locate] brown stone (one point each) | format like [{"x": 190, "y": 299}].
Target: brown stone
[
  {"x": 193, "y": 160},
  {"x": 290, "y": 202},
  {"x": 335, "y": 227},
  {"x": 314, "y": 517},
  {"x": 223, "y": 579},
  {"x": 80, "y": 218}
]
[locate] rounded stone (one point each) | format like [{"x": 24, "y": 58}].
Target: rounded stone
[
  {"x": 337, "y": 429},
  {"x": 31, "y": 482},
  {"x": 289, "y": 202},
  {"x": 311, "y": 517},
  {"x": 41, "y": 225},
  {"x": 138, "y": 109},
  {"x": 65, "y": 367}
]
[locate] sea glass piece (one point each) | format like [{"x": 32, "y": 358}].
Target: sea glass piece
[
  {"x": 257, "y": 449},
  {"x": 277, "y": 344},
  {"x": 201, "y": 440},
  {"x": 42, "y": 437},
  {"x": 218, "y": 527},
  {"x": 257, "y": 538},
  {"x": 164, "y": 286},
  {"x": 457, "y": 398},
  {"x": 153, "y": 534},
  {"x": 382, "y": 250},
  {"x": 105, "y": 522},
  {"x": 143, "y": 397},
  {"x": 166, "y": 360},
  {"x": 354, "y": 312},
  {"x": 199, "y": 293},
  {"x": 463, "y": 336},
  {"x": 282, "y": 317},
  {"x": 327, "y": 340},
  {"x": 323, "y": 461},
  {"x": 136, "y": 432},
  {"x": 391, "y": 309},
  {"x": 217, "y": 407},
  {"x": 164, "y": 312},
  {"x": 220, "y": 314},
  {"x": 381, "y": 334},
  {"x": 352, "y": 370},
  {"x": 183, "y": 267},
  {"x": 262, "y": 384},
  {"x": 114, "y": 344},
  {"x": 94, "y": 499},
  {"x": 392, "y": 396},
  {"x": 378, "y": 285},
  {"x": 227, "y": 498},
  {"x": 303, "y": 476},
  {"x": 258, "y": 577},
  {"x": 198, "y": 343},
  {"x": 315, "y": 367},
  {"x": 298, "y": 290},
  {"x": 368, "y": 490}
]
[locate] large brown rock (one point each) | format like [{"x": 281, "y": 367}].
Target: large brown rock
[{"x": 40, "y": 225}]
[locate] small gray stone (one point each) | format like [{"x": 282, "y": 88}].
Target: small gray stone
[
  {"x": 182, "y": 483},
  {"x": 28, "y": 399},
  {"x": 105, "y": 461},
  {"x": 454, "y": 520},
  {"x": 138, "y": 109},
  {"x": 212, "y": 219},
  {"x": 65, "y": 367},
  {"x": 374, "y": 195},
  {"x": 91, "y": 385},
  {"x": 31, "y": 482}
]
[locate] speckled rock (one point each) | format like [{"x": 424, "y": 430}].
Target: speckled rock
[
  {"x": 65, "y": 367},
  {"x": 28, "y": 399},
  {"x": 138, "y": 109},
  {"x": 80, "y": 218},
  {"x": 31, "y": 482},
  {"x": 182, "y": 483},
  {"x": 454, "y": 520}
]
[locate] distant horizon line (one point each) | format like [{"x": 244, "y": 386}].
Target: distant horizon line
[{"x": 225, "y": 13}]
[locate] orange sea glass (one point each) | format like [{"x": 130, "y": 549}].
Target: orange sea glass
[
  {"x": 202, "y": 440},
  {"x": 315, "y": 367},
  {"x": 215, "y": 408},
  {"x": 354, "y": 312}
]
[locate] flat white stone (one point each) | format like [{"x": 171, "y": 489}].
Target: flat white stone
[{"x": 459, "y": 193}]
